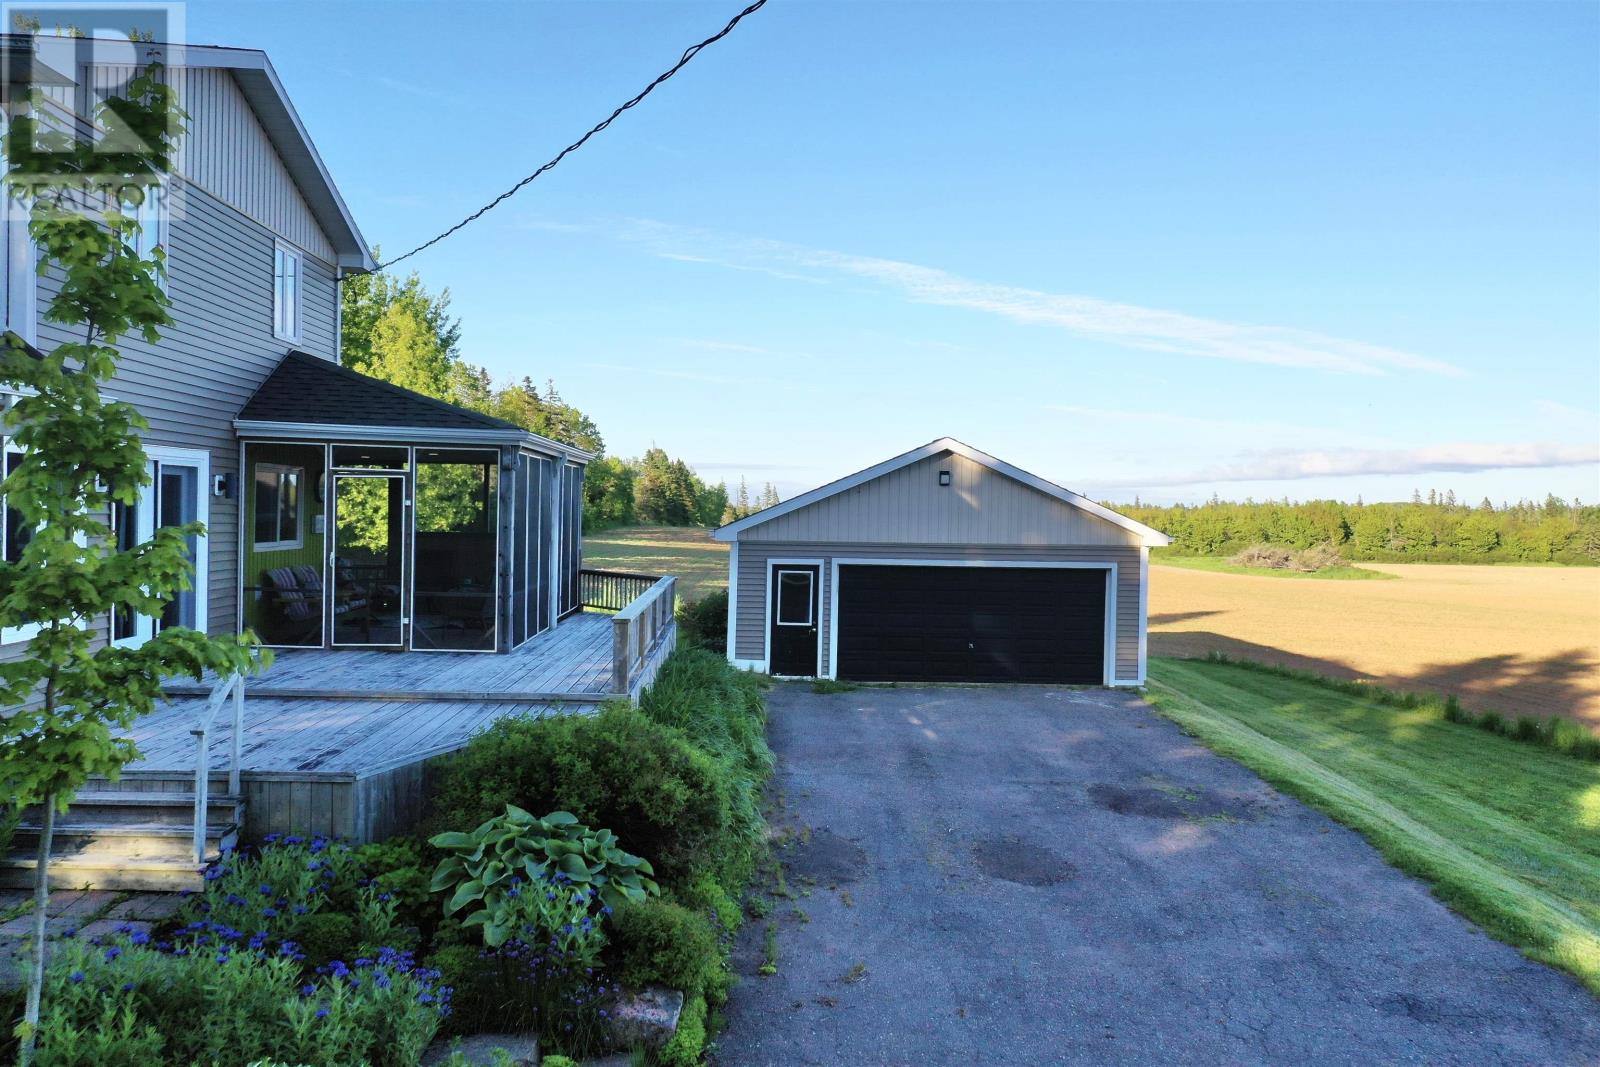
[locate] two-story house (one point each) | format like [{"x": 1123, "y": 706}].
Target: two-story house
[
  {"x": 385, "y": 540},
  {"x": 341, "y": 511}
]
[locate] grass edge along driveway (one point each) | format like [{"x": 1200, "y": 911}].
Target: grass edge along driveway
[{"x": 1505, "y": 833}]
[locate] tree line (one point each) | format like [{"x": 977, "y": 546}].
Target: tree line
[
  {"x": 396, "y": 330},
  {"x": 1436, "y": 528},
  {"x": 656, "y": 490}
]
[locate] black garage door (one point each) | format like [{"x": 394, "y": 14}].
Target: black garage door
[{"x": 971, "y": 624}]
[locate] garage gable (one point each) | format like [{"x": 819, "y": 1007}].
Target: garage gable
[{"x": 943, "y": 493}]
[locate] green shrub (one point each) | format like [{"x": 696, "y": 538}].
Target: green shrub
[
  {"x": 660, "y": 943},
  {"x": 326, "y": 936},
  {"x": 665, "y": 799},
  {"x": 703, "y": 623},
  {"x": 688, "y": 1045},
  {"x": 558, "y": 1061}
]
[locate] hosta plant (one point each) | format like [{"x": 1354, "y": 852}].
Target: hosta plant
[{"x": 482, "y": 868}]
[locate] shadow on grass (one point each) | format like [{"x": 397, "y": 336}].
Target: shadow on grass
[{"x": 1559, "y": 684}]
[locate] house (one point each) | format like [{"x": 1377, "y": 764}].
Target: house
[
  {"x": 391, "y": 545},
  {"x": 943, "y": 564}
]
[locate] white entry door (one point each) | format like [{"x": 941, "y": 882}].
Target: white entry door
[{"x": 179, "y": 493}]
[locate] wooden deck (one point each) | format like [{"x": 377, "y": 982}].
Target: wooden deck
[
  {"x": 337, "y": 742},
  {"x": 571, "y": 662}
]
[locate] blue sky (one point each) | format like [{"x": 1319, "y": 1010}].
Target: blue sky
[{"x": 1260, "y": 249}]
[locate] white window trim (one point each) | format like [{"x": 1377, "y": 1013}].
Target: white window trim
[
  {"x": 1109, "y": 664},
  {"x": 293, "y": 332},
  {"x": 144, "y": 626},
  {"x": 11, "y": 635},
  {"x": 299, "y": 539},
  {"x": 773, "y": 565},
  {"x": 811, "y": 597},
  {"x": 154, "y": 218}
]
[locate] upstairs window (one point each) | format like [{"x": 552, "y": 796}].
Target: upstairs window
[
  {"x": 286, "y": 293},
  {"x": 278, "y": 507},
  {"x": 150, "y": 212}
]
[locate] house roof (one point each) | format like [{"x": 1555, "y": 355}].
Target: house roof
[
  {"x": 307, "y": 393},
  {"x": 1150, "y": 536},
  {"x": 253, "y": 72}
]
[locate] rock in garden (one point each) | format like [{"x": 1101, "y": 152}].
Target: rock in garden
[{"x": 648, "y": 1018}]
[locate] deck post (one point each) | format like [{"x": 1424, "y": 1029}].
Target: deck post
[
  {"x": 621, "y": 652},
  {"x": 238, "y": 735},
  {"x": 202, "y": 774}
]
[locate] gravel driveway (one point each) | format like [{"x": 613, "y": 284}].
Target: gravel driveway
[{"x": 1032, "y": 876}]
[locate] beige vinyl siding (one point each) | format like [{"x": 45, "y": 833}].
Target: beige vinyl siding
[
  {"x": 980, "y": 506},
  {"x": 754, "y": 557}
]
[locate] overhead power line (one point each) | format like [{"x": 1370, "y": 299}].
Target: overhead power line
[{"x": 688, "y": 54}]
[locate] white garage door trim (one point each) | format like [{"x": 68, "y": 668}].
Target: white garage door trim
[
  {"x": 1109, "y": 670},
  {"x": 766, "y": 621}
]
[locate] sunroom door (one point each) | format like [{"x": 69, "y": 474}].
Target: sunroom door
[{"x": 368, "y": 561}]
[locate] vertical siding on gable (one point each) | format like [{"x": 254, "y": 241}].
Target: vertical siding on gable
[
  {"x": 227, "y": 153},
  {"x": 749, "y": 640},
  {"x": 979, "y": 506}
]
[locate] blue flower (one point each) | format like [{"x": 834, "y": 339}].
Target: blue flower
[
  {"x": 266, "y": 890},
  {"x": 127, "y": 987},
  {"x": 322, "y": 1012},
  {"x": 112, "y": 953},
  {"x": 139, "y": 937},
  {"x": 269, "y": 913},
  {"x": 308, "y": 990},
  {"x": 75, "y": 977}
]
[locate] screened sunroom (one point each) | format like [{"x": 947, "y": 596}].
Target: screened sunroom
[{"x": 379, "y": 518}]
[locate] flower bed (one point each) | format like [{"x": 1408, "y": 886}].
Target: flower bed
[{"x": 618, "y": 864}]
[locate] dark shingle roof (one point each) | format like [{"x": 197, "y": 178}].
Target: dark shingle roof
[{"x": 307, "y": 388}]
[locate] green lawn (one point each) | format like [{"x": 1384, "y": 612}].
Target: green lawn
[
  {"x": 700, "y": 564},
  {"x": 1508, "y": 833},
  {"x": 1222, "y": 566}
]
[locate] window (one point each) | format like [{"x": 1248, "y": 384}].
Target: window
[
  {"x": 794, "y": 598},
  {"x": 151, "y": 214},
  {"x": 286, "y": 293},
  {"x": 20, "y": 283},
  {"x": 14, "y": 537},
  {"x": 278, "y": 507}
]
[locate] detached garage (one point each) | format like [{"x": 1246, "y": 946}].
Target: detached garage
[{"x": 944, "y": 564}]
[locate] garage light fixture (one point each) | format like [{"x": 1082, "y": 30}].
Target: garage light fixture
[{"x": 944, "y": 477}]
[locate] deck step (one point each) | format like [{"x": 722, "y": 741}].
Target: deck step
[
  {"x": 172, "y": 809},
  {"x": 124, "y": 839},
  {"x": 160, "y": 873},
  {"x": 128, "y": 840}
]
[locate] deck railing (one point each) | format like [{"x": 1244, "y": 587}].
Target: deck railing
[
  {"x": 635, "y": 629},
  {"x": 613, "y": 590},
  {"x": 231, "y": 686}
]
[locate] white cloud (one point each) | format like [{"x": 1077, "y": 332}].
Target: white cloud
[
  {"x": 1130, "y": 325},
  {"x": 1294, "y": 464}
]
